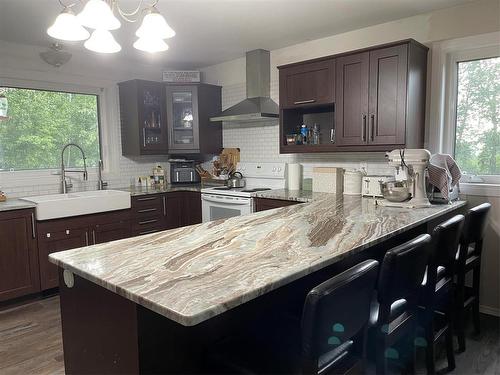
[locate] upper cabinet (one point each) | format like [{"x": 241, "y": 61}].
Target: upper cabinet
[
  {"x": 378, "y": 101},
  {"x": 189, "y": 108},
  {"x": 158, "y": 119},
  {"x": 143, "y": 118},
  {"x": 307, "y": 84}
]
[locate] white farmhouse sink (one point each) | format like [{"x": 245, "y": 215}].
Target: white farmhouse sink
[{"x": 74, "y": 204}]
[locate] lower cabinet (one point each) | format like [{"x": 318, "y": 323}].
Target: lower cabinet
[
  {"x": 71, "y": 233},
  {"x": 18, "y": 256},
  {"x": 183, "y": 208},
  {"x": 263, "y": 204}
]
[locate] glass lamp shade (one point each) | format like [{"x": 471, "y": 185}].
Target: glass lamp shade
[
  {"x": 151, "y": 45},
  {"x": 102, "y": 41},
  {"x": 4, "y": 107},
  {"x": 67, "y": 27},
  {"x": 98, "y": 15},
  {"x": 154, "y": 26}
]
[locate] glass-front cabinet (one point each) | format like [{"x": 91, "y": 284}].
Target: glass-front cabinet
[
  {"x": 143, "y": 118},
  {"x": 159, "y": 118},
  {"x": 182, "y": 118}
]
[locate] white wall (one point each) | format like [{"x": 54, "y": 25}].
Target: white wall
[
  {"x": 86, "y": 72},
  {"x": 260, "y": 142}
]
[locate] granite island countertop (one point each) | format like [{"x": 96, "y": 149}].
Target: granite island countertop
[{"x": 193, "y": 273}]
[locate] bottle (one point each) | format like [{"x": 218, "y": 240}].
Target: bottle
[
  {"x": 158, "y": 176},
  {"x": 316, "y": 134},
  {"x": 304, "y": 131}
]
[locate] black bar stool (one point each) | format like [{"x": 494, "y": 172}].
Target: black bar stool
[
  {"x": 331, "y": 334},
  {"x": 469, "y": 259},
  {"x": 436, "y": 296},
  {"x": 393, "y": 314}
]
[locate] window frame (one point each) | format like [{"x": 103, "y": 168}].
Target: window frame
[
  {"x": 62, "y": 88},
  {"x": 449, "y": 136}
]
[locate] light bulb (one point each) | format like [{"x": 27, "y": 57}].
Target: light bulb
[
  {"x": 154, "y": 26},
  {"x": 67, "y": 27},
  {"x": 98, "y": 15},
  {"x": 102, "y": 41},
  {"x": 151, "y": 45}
]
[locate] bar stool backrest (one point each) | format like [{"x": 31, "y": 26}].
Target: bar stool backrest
[
  {"x": 402, "y": 272},
  {"x": 337, "y": 310},
  {"x": 474, "y": 228},
  {"x": 446, "y": 237}
]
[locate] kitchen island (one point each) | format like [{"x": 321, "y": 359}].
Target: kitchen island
[{"x": 155, "y": 303}]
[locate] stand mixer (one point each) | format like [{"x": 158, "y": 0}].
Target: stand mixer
[{"x": 410, "y": 163}]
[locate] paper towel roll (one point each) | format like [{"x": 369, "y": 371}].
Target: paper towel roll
[{"x": 294, "y": 176}]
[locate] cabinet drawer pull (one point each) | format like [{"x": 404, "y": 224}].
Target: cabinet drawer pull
[
  {"x": 87, "y": 238},
  {"x": 372, "y": 128},
  {"x": 164, "y": 206},
  {"x": 148, "y": 222},
  {"x": 93, "y": 236},
  {"x": 67, "y": 232},
  {"x": 146, "y": 199},
  {"x": 305, "y": 101},
  {"x": 33, "y": 234},
  {"x": 147, "y": 210},
  {"x": 148, "y": 231},
  {"x": 363, "y": 127}
]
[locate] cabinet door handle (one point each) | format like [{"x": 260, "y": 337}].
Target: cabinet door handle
[
  {"x": 372, "y": 127},
  {"x": 176, "y": 176},
  {"x": 146, "y": 199},
  {"x": 363, "y": 127},
  {"x": 332, "y": 135},
  {"x": 87, "y": 238},
  {"x": 148, "y": 222},
  {"x": 192, "y": 176},
  {"x": 33, "y": 233},
  {"x": 147, "y": 210},
  {"x": 93, "y": 236},
  {"x": 143, "y": 137},
  {"x": 164, "y": 206},
  {"x": 305, "y": 101}
]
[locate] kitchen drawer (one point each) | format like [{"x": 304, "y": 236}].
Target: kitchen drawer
[
  {"x": 148, "y": 225},
  {"x": 148, "y": 206}
]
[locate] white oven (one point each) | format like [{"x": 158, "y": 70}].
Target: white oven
[{"x": 215, "y": 206}]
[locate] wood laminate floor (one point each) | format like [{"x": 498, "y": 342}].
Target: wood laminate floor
[{"x": 31, "y": 343}]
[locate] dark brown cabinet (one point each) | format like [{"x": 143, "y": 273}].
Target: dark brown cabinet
[
  {"x": 183, "y": 208},
  {"x": 351, "y": 107},
  {"x": 143, "y": 118},
  {"x": 379, "y": 100},
  {"x": 19, "y": 273},
  {"x": 71, "y": 233},
  {"x": 148, "y": 214},
  {"x": 54, "y": 236},
  {"x": 189, "y": 108},
  {"x": 263, "y": 204},
  {"x": 306, "y": 84}
]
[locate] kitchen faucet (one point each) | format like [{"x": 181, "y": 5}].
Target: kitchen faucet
[{"x": 64, "y": 186}]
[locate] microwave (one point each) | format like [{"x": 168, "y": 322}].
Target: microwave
[{"x": 183, "y": 172}]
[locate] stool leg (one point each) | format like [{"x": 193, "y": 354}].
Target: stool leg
[
  {"x": 449, "y": 334},
  {"x": 460, "y": 314},
  {"x": 476, "y": 276},
  {"x": 429, "y": 350}
]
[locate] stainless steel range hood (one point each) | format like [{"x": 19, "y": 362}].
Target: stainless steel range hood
[{"x": 258, "y": 106}]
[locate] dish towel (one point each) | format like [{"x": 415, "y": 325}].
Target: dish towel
[{"x": 444, "y": 173}]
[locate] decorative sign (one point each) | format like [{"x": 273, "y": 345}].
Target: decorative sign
[{"x": 182, "y": 76}]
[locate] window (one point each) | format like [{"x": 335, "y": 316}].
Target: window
[
  {"x": 477, "y": 140},
  {"x": 41, "y": 122}
]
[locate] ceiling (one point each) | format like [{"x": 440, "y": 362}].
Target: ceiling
[{"x": 212, "y": 31}]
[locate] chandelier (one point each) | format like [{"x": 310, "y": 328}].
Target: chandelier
[{"x": 99, "y": 17}]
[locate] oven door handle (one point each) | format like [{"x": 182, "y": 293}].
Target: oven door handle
[{"x": 225, "y": 201}]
